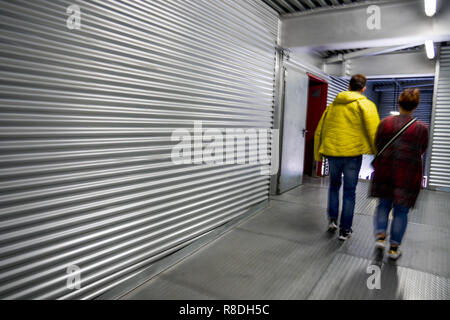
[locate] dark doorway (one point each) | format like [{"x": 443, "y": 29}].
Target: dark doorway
[{"x": 317, "y": 102}]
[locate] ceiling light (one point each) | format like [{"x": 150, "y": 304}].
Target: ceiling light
[
  {"x": 429, "y": 45},
  {"x": 430, "y": 7}
]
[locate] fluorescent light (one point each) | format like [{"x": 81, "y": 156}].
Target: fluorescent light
[
  {"x": 430, "y": 7},
  {"x": 395, "y": 113},
  {"x": 429, "y": 45}
]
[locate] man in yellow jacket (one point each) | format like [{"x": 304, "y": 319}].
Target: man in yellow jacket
[{"x": 345, "y": 132}]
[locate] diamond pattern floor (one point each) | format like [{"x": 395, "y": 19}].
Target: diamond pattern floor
[{"x": 284, "y": 252}]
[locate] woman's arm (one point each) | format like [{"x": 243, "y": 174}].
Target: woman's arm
[{"x": 424, "y": 140}]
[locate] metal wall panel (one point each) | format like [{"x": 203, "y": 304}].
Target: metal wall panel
[
  {"x": 335, "y": 86},
  {"x": 389, "y": 102},
  {"x": 439, "y": 171},
  {"x": 86, "y": 123}
]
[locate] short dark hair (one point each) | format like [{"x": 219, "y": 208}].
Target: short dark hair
[
  {"x": 409, "y": 99},
  {"x": 358, "y": 82}
]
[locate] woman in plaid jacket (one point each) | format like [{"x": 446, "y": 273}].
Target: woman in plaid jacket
[{"x": 398, "y": 172}]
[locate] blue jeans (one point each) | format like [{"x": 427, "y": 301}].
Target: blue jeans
[
  {"x": 349, "y": 166},
  {"x": 399, "y": 223}
]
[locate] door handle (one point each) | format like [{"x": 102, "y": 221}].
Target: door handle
[{"x": 304, "y": 131}]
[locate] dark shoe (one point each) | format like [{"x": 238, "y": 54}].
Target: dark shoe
[
  {"x": 344, "y": 235},
  {"x": 332, "y": 226}
]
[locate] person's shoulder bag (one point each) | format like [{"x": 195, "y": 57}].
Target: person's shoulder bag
[{"x": 398, "y": 134}]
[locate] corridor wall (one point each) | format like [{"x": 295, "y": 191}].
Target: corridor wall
[
  {"x": 439, "y": 170},
  {"x": 91, "y": 93}
]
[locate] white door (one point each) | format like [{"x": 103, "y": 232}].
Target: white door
[{"x": 294, "y": 126}]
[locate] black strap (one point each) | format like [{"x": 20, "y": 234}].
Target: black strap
[{"x": 403, "y": 129}]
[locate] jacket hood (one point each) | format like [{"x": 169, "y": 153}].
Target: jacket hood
[{"x": 347, "y": 97}]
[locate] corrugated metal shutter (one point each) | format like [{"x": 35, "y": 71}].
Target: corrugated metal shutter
[
  {"x": 389, "y": 102},
  {"x": 440, "y": 142},
  {"x": 335, "y": 86},
  {"x": 371, "y": 94},
  {"x": 86, "y": 123}
]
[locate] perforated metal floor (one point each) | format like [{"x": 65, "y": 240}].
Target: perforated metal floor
[{"x": 284, "y": 252}]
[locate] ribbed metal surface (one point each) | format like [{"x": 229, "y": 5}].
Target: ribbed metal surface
[
  {"x": 294, "y": 6},
  {"x": 389, "y": 102},
  {"x": 86, "y": 123},
  {"x": 335, "y": 86},
  {"x": 440, "y": 148}
]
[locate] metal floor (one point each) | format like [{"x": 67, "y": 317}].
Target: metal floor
[{"x": 284, "y": 252}]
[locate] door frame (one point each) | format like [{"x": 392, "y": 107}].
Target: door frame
[
  {"x": 324, "y": 95},
  {"x": 282, "y": 60}
]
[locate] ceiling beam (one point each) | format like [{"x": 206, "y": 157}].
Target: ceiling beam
[
  {"x": 310, "y": 4},
  {"x": 345, "y": 27},
  {"x": 335, "y": 2},
  {"x": 299, "y": 5},
  {"x": 287, "y": 5},
  {"x": 393, "y": 65},
  {"x": 274, "y": 6},
  {"x": 323, "y": 3},
  {"x": 369, "y": 52}
]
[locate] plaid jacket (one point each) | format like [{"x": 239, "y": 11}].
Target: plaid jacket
[{"x": 398, "y": 171}]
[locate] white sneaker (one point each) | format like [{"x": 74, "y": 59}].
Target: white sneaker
[
  {"x": 395, "y": 254},
  {"x": 332, "y": 227},
  {"x": 380, "y": 244},
  {"x": 344, "y": 235}
]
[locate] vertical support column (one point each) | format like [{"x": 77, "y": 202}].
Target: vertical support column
[{"x": 278, "y": 113}]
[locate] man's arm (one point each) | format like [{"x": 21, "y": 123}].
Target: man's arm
[{"x": 371, "y": 120}]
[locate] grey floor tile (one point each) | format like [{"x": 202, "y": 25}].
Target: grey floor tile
[
  {"x": 163, "y": 289},
  {"x": 306, "y": 223},
  {"x": 425, "y": 247},
  {"x": 285, "y": 253},
  {"x": 246, "y": 265},
  {"x": 306, "y": 194},
  {"x": 432, "y": 208},
  {"x": 347, "y": 278}
]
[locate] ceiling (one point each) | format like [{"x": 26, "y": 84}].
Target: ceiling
[
  {"x": 284, "y": 7},
  {"x": 287, "y": 7},
  {"x": 330, "y": 53}
]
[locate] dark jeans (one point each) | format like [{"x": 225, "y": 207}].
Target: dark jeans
[
  {"x": 398, "y": 224},
  {"x": 349, "y": 166}
]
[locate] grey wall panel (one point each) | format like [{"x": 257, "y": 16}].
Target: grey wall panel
[
  {"x": 440, "y": 142},
  {"x": 85, "y": 135},
  {"x": 371, "y": 94},
  {"x": 335, "y": 86},
  {"x": 389, "y": 102}
]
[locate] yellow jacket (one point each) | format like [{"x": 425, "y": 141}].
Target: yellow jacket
[{"x": 347, "y": 127}]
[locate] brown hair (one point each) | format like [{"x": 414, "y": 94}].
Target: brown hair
[
  {"x": 358, "y": 82},
  {"x": 409, "y": 99}
]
